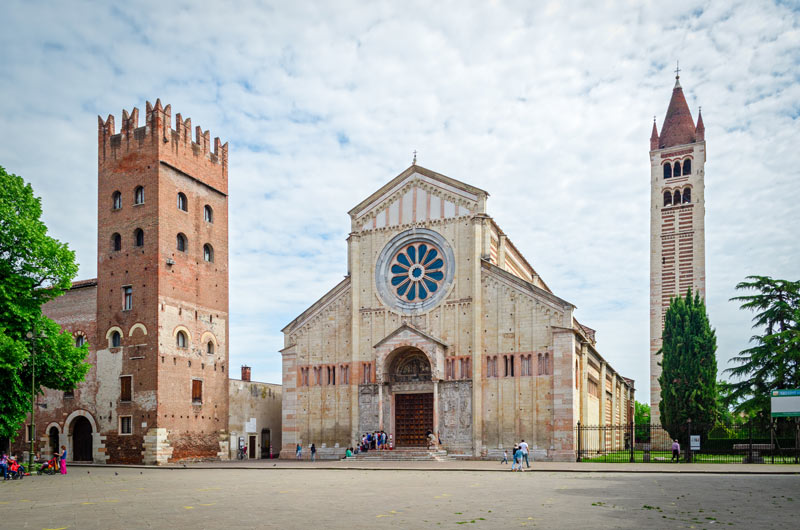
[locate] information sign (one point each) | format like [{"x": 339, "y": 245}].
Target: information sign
[
  {"x": 785, "y": 403},
  {"x": 694, "y": 442}
]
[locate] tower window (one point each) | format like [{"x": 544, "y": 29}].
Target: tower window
[
  {"x": 180, "y": 339},
  {"x": 687, "y": 195},
  {"x": 127, "y": 298},
  {"x": 138, "y": 237},
  {"x": 667, "y": 198},
  {"x": 126, "y": 388},
  {"x": 208, "y": 253},
  {"x": 208, "y": 214},
  {"x": 667, "y": 170},
  {"x": 210, "y": 348},
  {"x": 116, "y": 242},
  {"x": 197, "y": 392},
  {"x": 182, "y": 202},
  {"x": 687, "y": 166},
  {"x": 116, "y": 200},
  {"x": 116, "y": 339},
  {"x": 676, "y": 198},
  {"x": 80, "y": 340},
  {"x": 181, "y": 243},
  {"x": 676, "y": 169},
  {"x": 138, "y": 195}
]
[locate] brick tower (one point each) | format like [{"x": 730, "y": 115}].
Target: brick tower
[
  {"x": 677, "y": 220},
  {"x": 162, "y": 288}
]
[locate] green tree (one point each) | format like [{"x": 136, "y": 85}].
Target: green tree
[
  {"x": 34, "y": 268},
  {"x": 641, "y": 413},
  {"x": 688, "y": 367},
  {"x": 773, "y": 360}
]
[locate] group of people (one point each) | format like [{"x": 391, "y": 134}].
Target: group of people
[
  {"x": 519, "y": 454},
  {"x": 377, "y": 440},
  {"x": 12, "y": 465}
]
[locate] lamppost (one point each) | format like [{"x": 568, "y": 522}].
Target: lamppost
[{"x": 32, "y": 434}]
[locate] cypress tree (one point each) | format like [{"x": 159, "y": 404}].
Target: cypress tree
[{"x": 688, "y": 368}]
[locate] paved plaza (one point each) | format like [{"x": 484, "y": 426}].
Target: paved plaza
[{"x": 324, "y": 496}]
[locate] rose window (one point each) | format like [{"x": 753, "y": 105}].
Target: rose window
[{"x": 417, "y": 271}]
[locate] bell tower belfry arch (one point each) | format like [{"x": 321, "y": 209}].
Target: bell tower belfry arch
[{"x": 677, "y": 220}]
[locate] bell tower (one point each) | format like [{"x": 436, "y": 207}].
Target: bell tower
[{"x": 677, "y": 220}]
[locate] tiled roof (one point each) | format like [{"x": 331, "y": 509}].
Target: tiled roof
[{"x": 678, "y": 127}]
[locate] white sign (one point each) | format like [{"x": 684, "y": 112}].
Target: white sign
[
  {"x": 694, "y": 442},
  {"x": 250, "y": 426},
  {"x": 785, "y": 403}
]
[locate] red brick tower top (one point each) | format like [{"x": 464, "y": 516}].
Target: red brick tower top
[
  {"x": 654, "y": 136},
  {"x": 171, "y": 146},
  {"x": 678, "y": 127}
]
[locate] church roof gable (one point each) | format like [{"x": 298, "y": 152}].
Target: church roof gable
[
  {"x": 408, "y": 327},
  {"x": 455, "y": 189}
]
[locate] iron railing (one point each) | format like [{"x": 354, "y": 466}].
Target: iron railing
[{"x": 776, "y": 442}]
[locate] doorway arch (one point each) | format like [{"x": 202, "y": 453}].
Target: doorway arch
[
  {"x": 80, "y": 432},
  {"x": 52, "y": 438}
]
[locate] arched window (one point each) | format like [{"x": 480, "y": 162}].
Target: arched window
[
  {"x": 116, "y": 200},
  {"x": 676, "y": 169},
  {"x": 546, "y": 363},
  {"x": 667, "y": 170},
  {"x": 182, "y": 203},
  {"x": 208, "y": 253},
  {"x": 687, "y": 166},
  {"x": 687, "y": 195},
  {"x": 116, "y": 242},
  {"x": 210, "y": 348},
  {"x": 138, "y": 238},
  {"x": 667, "y": 198},
  {"x": 80, "y": 340},
  {"x": 138, "y": 195},
  {"x": 540, "y": 365},
  {"x": 208, "y": 214},
  {"x": 676, "y": 198},
  {"x": 180, "y": 339},
  {"x": 116, "y": 339},
  {"x": 181, "y": 243}
]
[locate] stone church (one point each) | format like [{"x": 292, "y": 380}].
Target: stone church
[{"x": 441, "y": 325}]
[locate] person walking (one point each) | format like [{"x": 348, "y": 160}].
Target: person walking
[
  {"x": 517, "y": 459},
  {"x": 299, "y": 451},
  {"x": 676, "y": 451},
  {"x": 505, "y": 457},
  {"x": 313, "y": 453},
  {"x": 4, "y": 465},
  {"x": 524, "y": 448},
  {"x": 63, "y": 460}
]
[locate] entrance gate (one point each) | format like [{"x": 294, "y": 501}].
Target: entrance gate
[
  {"x": 413, "y": 419},
  {"x": 81, "y": 440}
]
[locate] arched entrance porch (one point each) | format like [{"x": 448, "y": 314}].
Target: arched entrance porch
[{"x": 410, "y": 384}]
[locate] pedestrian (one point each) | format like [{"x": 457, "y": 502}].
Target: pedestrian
[
  {"x": 313, "y": 453},
  {"x": 4, "y": 465},
  {"x": 505, "y": 457},
  {"x": 63, "y": 460},
  {"x": 517, "y": 462},
  {"x": 524, "y": 448},
  {"x": 299, "y": 451},
  {"x": 676, "y": 451}
]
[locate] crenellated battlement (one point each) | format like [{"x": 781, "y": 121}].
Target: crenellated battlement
[{"x": 157, "y": 133}]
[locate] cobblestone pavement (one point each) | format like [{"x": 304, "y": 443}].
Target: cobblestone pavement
[{"x": 316, "y": 498}]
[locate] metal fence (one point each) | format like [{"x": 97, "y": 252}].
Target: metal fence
[{"x": 776, "y": 442}]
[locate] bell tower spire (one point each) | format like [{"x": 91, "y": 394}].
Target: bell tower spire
[{"x": 677, "y": 220}]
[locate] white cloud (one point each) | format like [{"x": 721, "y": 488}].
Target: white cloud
[{"x": 547, "y": 107}]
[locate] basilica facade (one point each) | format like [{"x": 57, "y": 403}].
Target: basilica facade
[{"x": 442, "y": 326}]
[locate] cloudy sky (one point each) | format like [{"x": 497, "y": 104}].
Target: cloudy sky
[{"x": 548, "y": 107}]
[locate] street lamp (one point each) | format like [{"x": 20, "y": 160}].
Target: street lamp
[{"x": 32, "y": 433}]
